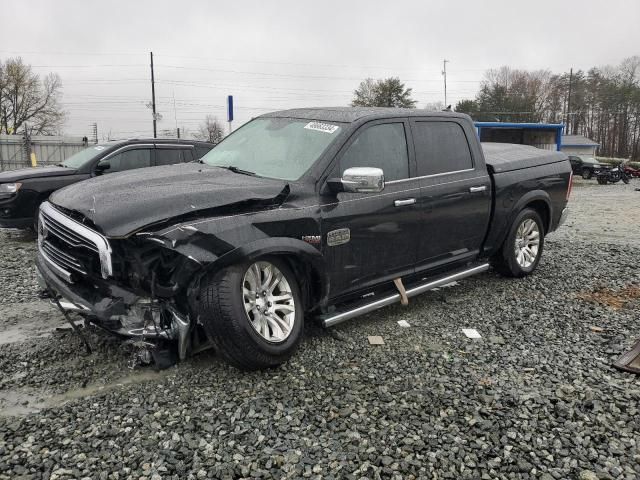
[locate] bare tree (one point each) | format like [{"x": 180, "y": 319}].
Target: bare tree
[
  {"x": 25, "y": 99},
  {"x": 211, "y": 130},
  {"x": 434, "y": 106},
  {"x": 366, "y": 93},
  {"x": 602, "y": 103}
]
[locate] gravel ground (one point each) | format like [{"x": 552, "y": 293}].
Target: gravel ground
[{"x": 534, "y": 398}]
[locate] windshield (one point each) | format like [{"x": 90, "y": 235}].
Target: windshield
[
  {"x": 83, "y": 156},
  {"x": 282, "y": 148}
]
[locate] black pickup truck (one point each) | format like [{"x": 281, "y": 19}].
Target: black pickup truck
[
  {"x": 317, "y": 213},
  {"x": 22, "y": 191}
]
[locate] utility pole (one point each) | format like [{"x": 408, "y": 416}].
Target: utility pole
[
  {"x": 153, "y": 98},
  {"x": 175, "y": 114},
  {"x": 569, "y": 101},
  {"x": 444, "y": 73}
]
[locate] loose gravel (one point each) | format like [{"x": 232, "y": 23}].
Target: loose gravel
[{"x": 534, "y": 398}]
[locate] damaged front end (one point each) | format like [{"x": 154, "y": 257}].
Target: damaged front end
[{"x": 130, "y": 287}]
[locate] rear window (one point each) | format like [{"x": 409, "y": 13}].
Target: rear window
[
  {"x": 441, "y": 147},
  {"x": 171, "y": 156}
]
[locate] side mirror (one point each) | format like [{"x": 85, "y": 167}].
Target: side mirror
[
  {"x": 359, "y": 180},
  {"x": 101, "y": 167}
]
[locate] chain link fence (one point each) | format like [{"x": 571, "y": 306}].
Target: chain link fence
[{"x": 16, "y": 150}]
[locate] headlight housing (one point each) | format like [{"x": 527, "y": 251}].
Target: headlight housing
[{"x": 9, "y": 187}]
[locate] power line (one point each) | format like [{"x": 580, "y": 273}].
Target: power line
[
  {"x": 95, "y": 65},
  {"x": 285, "y": 75},
  {"x": 242, "y": 72},
  {"x": 233, "y": 60}
]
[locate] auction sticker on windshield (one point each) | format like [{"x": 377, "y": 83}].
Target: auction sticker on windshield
[{"x": 321, "y": 127}]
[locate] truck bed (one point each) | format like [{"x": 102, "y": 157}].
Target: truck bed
[{"x": 506, "y": 157}]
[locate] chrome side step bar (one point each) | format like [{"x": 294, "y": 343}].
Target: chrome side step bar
[{"x": 395, "y": 298}]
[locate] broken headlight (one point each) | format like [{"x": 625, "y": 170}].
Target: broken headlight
[{"x": 9, "y": 187}]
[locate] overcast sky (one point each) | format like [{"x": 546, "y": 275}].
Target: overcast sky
[{"x": 280, "y": 54}]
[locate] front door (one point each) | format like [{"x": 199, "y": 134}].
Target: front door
[{"x": 372, "y": 237}]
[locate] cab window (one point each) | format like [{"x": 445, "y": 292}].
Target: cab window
[
  {"x": 441, "y": 147},
  {"x": 381, "y": 146}
]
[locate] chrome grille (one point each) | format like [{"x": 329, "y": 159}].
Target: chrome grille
[
  {"x": 62, "y": 259},
  {"x": 66, "y": 234},
  {"x": 71, "y": 247}
]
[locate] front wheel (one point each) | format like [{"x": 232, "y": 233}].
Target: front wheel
[
  {"x": 625, "y": 179},
  {"x": 253, "y": 312},
  {"x": 586, "y": 174},
  {"x": 522, "y": 249}
]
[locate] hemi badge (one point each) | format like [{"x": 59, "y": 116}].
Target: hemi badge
[{"x": 312, "y": 239}]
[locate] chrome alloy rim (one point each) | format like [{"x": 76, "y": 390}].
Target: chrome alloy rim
[
  {"x": 268, "y": 302},
  {"x": 527, "y": 243}
]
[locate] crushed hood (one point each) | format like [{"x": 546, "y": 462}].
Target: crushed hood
[
  {"x": 38, "y": 172},
  {"x": 120, "y": 204}
]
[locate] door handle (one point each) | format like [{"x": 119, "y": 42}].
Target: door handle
[
  {"x": 402, "y": 203},
  {"x": 481, "y": 188}
]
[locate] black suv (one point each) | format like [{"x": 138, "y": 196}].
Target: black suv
[
  {"x": 22, "y": 191},
  {"x": 319, "y": 213},
  {"x": 585, "y": 166}
]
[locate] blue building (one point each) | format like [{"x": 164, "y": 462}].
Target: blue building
[{"x": 542, "y": 135}]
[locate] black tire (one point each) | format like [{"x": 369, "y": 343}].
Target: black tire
[
  {"x": 222, "y": 312},
  {"x": 34, "y": 225},
  {"x": 505, "y": 260},
  {"x": 625, "y": 180},
  {"x": 602, "y": 180},
  {"x": 587, "y": 174}
]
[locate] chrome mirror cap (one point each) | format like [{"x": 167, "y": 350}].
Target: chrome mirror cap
[{"x": 363, "y": 180}]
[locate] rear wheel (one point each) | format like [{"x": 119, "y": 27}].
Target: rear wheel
[
  {"x": 521, "y": 251},
  {"x": 602, "y": 180},
  {"x": 253, "y": 312}
]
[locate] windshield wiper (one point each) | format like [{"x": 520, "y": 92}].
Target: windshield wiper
[{"x": 240, "y": 171}]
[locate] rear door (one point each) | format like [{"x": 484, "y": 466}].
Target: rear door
[
  {"x": 455, "y": 196},
  {"x": 372, "y": 237}
]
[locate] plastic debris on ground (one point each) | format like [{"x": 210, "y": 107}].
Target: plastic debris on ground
[
  {"x": 375, "y": 340},
  {"x": 630, "y": 361},
  {"x": 404, "y": 323},
  {"x": 471, "y": 333}
]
